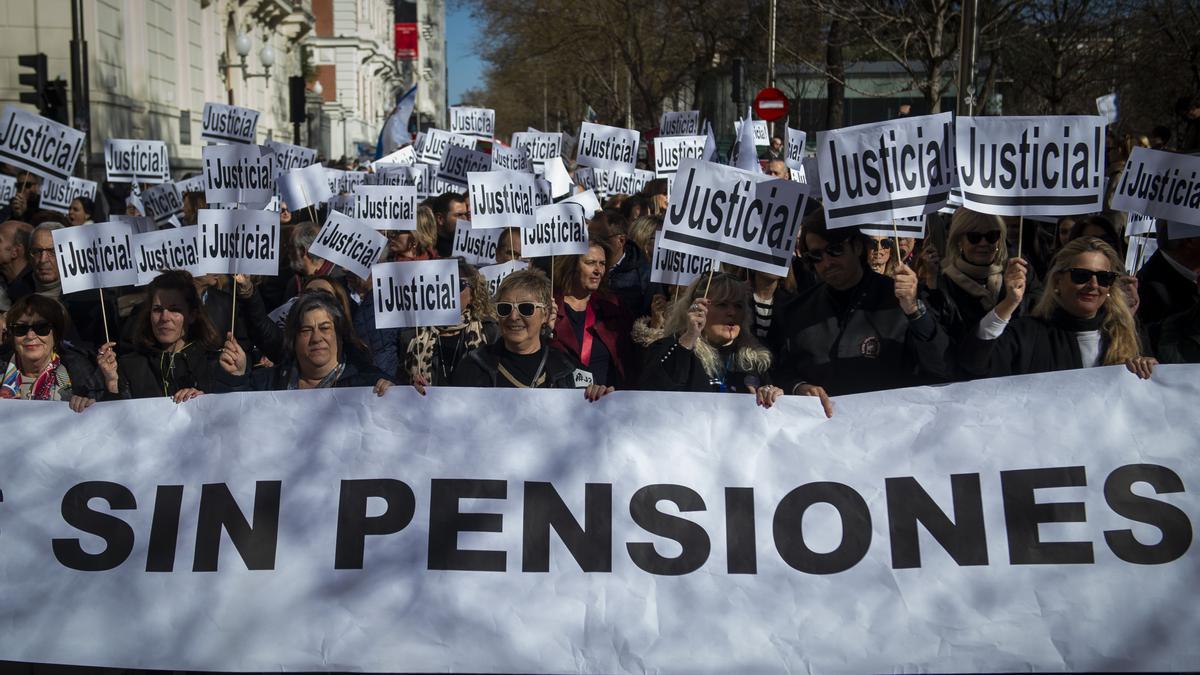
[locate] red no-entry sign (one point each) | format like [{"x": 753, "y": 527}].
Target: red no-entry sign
[{"x": 770, "y": 104}]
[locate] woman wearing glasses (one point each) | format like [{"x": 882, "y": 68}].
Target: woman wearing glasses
[
  {"x": 44, "y": 367},
  {"x": 880, "y": 255},
  {"x": 522, "y": 358},
  {"x": 1082, "y": 320}
]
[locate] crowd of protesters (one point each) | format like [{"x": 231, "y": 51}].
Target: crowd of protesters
[{"x": 855, "y": 313}]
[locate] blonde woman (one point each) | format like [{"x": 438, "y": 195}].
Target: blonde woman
[{"x": 1082, "y": 320}]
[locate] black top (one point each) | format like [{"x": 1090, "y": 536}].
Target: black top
[
  {"x": 482, "y": 367},
  {"x": 669, "y": 366},
  {"x": 150, "y": 373},
  {"x": 1163, "y": 291}
]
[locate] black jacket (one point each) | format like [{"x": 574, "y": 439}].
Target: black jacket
[
  {"x": 277, "y": 378},
  {"x": 480, "y": 368},
  {"x": 88, "y": 319},
  {"x": 149, "y": 373},
  {"x": 867, "y": 345},
  {"x": 22, "y": 285},
  {"x": 1177, "y": 340},
  {"x": 1163, "y": 290},
  {"x": 1028, "y": 344},
  {"x": 959, "y": 312},
  {"x": 669, "y": 366},
  {"x": 629, "y": 280}
]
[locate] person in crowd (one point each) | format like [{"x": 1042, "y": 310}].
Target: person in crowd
[
  {"x": 629, "y": 268},
  {"x": 642, "y": 232},
  {"x": 1177, "y": 338},
  {"x": 301, "y": 263},
  {"x": 908, "y": 250},
  {"x": 418, "y": 244},
  {"x": 768, "y": 292},
  {"x": 775, "y": 151},
  {"x": 271, "y": 339},
  {"x": 192, "y": 203},
  {"x": 777, "y": 168},
  {"x": 15, "y": 268},
  {"x": 1160, "y": 138},
  {"x": 434, "y": 352},
  {"x": 709, "y": 345},
  {"x": 880, "y": 255},
  {"x": 656, "y": 191},
  {"x": 635, "y": 207},
  {"x": 176, "y": 350},
  {"x": 1082, "y": 320},
  {"x": 1167, "y": 282},
  {"x": 592, "y": 326},
  {"x": 1063, "y": 231},
  {"x": 1101, "y": 228},
  {"x": 45, "y": 366},
  {"x": 80, "y": 211},
  {"x": 522, "y": 358},
  {"x": 856, "y": 330},
  {"x": 316, "y": 338},
  {"x": 83, "y": 307},
  {"x": 447, "y": 209},
  {"x": 26, "y": 200},
  {"x": 508, "y": 246}
]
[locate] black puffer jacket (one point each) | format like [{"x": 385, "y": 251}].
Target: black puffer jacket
[
  {"x": 480, "y": 368},
  {"x": 149, "y": 373},
  {"x": 669, "y": 366}
]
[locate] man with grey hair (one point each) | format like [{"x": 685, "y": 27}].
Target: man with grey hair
[{"x": 87, "y": 317}]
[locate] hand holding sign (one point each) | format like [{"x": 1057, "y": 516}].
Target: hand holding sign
[
  {"x": 1014, "y": 285},
  {"x": 233, "y": 357},
  {"x": 906, "y": 289}
]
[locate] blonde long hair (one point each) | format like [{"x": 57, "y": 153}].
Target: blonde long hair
[
  {"x": 1118, "y": 325},
  {"x": 749, "y": 355},
  {"x": 965, "y": 220}
]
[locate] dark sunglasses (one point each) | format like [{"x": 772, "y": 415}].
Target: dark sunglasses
[
  {"x": 832, "y": 250},
  {"x": 1080, "y": 276},
  {"x": 878, "y": 243},
  {"x": 525, "y": 308},
  {"x": 40, "y": 328},
  {"x": 976, "y": 237}
]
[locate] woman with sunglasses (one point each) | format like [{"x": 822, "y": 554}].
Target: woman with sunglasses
[
  {"x": 435, "y": 352},
  {"x": 593, "y": 327},
  {"x": 880, "y": 255},
  {"x": 1082, "y": 320},
  {"x": 522, "y": 358},
  {"x": 44, "y": 366}
]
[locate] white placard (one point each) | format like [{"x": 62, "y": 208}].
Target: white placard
[
  {"x": 406, "y": 156},
  {"x": 37, "y": 144},
  {"x": 876, "y": 172},
  {"x": 457, "y": 162},
  {"x": 502, "y": 199},
  {"x": 386, "y": 207},
  {"x": 669, "y": 152},
  {"x": 476, "y": 247},
  {"x": 436, "y": 142},
  {"x": 1140, "y": 226},
  {"x": 744, "y": 154},
  {"x": 674, "y": 268},
  {"x": 343, "y": 182},
  {"x": 342, "y": 204},
  {"x": 412, "y": 294},
  {"x": 1024, "y": 166},
  {"x": 223, "y": 123},
  {"x": 762, "y": 131},
  {"x": 99, "y": 255},
  {"x": 193, "y": 184},
  {"x": 560, "y": 181},
  {"x": 742, "y": 218},
  {"x": 478, "y": 123},
  {"x": 587, "y": 199},
  {"x": 793, "y": 155},
  {"x": 163, "y": 203},
  {"x": 541, "y": 147},
  {"x": 8, "y": 188},
  {"x": 585, "y": 178},
  {"x": 561, "y": 230},
  {"x": 238, "y": 174},
  {"x": 605, "y": 147},
  {"x": 685, "y": 123},
  {"x": 304, "y": 187},
  {"x": 136, "y": 161},
  {"x": 173, "y": 248},
  {"x": 416, "y": 176},
  {"x": 904, "y": 227},
  {"x": 1160, "y": 184},
  {"x": 58, "y": 195},
  {"x": 349, "y": 243},
  {"x": 288, "y": 156},
  {"x": 1107, "y": 107},
  {"x": 621, "y": 183},
  {"x": 512, "y": 159},
  {"x": 139, "y": 224},
  {"x": 238, "y": 241},
  {"x": 495, "y": 274}
]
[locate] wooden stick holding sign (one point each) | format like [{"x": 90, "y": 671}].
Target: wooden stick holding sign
[
  {"x": 896, "y": 242},
  {"x": 1020, "y": 233},
  {"x": 708, "y": 284},
  {"x": 104, "y": 316}
]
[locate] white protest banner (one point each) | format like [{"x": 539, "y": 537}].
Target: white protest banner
[
  {"x": 417, "y": 176},
  {"x": 406, "y": 156},
  {"x": 561, "y": 230},
  {"x": 238, "y": 241},
  {"x": 349, "y": 243},
  {"x": 742, "y": 218},
  {"x": 193, "y": 184},
  {"x": 288, "y": 156},
  {"x": 1024, "y": 166},
  {"x": 343, "y": 204},
  {"x": 99, "y": 255},
  {"x": 136, "y": 161},
  {"x": 919, "y": 530},
  {"x": 228, "y": 124},
  {"x": 674, "y": 268},
  {"x": 478, "y": 123},
  {"x": 412, "y": 294},
  {"x": 476, "y": 247},
  {"x": 560, "y": 181},
  {"x": 541, "y": 147},
  {"x": 238, "y": 174},
  {"x": 457, "y": 162},
  {"x": 37, "y": 144},
  {"x": 622, "y": 183},
  {"x": 794, "y": 154},
  {"x": 586, "y": 178},
  {"x": 436, "y": 142},
  {"x": 669, "y": 152},
  {"x": 586, "y": 199},
  {"x": 744, "y": 154},
  {"x": 386, "y": 207},
  {"x": 684, "y": 123},
  {"x": 544, "y": 194},
  {"x": 512, "y": 159},
  {"x": 1107, "y": 107},
  {"x": 57, "y": 195},
  {"x": 173, "y": 248},
  {"x": 343, "y": 182},
  {"x": 605, "y": 147},
  {"x": 304, "y": 187},
  {"x": 494, "y": 274},
  {"x": 903, "y": 227},
  {"x": 895, "y": 169},
  {"x": 1160, "y": 184},
  {"x": 502, "y": 199},
  {"x": 8, "y": 188},
  {"x": 762, "y": 132},
  {"x": 139, "y": 224},
  {"x": 163, "y": 203}
]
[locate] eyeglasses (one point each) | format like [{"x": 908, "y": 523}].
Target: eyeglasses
[
  {"x": 40, "y": 328},
  {"x": 832, "y": 250},
  {"x": 976, "y": 237},
  {"x": 525, "y": 308},
  {"x": 878, "y": 243},
  {"x": 1080, "y": 276},
  {"x": 37, "y": 253}
]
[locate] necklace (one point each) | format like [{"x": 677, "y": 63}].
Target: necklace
[{"x": 447, "y": 367}]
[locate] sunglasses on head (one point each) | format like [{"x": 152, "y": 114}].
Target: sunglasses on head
[
  {"x": 976, "y": 237},
  {"x": 40, "y": 328},
  {"x": 878, "y": 243},
  {"x": 1080, "y": 276},
  {"x": 832, "y": 250},
  {"x": 525, "y": 308}
]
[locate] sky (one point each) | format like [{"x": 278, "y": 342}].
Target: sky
[{"x": 466, "y": 69}]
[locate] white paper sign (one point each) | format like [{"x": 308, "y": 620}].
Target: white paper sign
[
  {"x": 344, "y": 182},
  {"x": 561, "y": 230},
  {"x": 406, "y": 156},
  {"x": 621, "y": 183},
  {"x": 385, "y": 207},
  {"x": 476, "y": 247},
  {"x": 512, "y": 159},
  {"x": 136, "y": 161},
  {"x": 794, "y": 154},
  {"x": 560, "y": 181},
  {"x": 139, "y": 224},
  {"x": 173, "y": 248},
  {"x": 99, "y": 255},
  {"x": 685, "y": 123},
  {"x": 457, "y": 162},
  {"x": 762, "y": 132},
  {"x": 349, "y": 243},
  {"x": 1138, "y": 252},
  {"x": 37, "y": 144},
  {"x": 1013, "y": 166},
  {"x": 742, "y": 218},
  {"x": 1160, "y": 184},
  {"x": 238, "y": 241},
  {"x": 193, "y": 184},
  {"x": 1107, "y": 107},
  {"x": 494, "y": 274},
  {"x": 288, "y": 156},
  {"x": 58, "y": 195},
  {"x": 605, "y": 147},
  {"x": 238, "y": 174},
  {"x": 436, "y": 142},
  {"x": 540, "y": 147},
  {"x": 502, "y": 199},
  {"x": 876, "y": 172},
  {"x": 301, "y": 188},
  {"x": 163, "y": 203},
  {"x": 674, "y": 268},
  {"x": 416, "y": 176},
  {"x": 669, "y": 152},
  {"x": 1140, "y": 225},
  {"x": 904, "y": 227},
  {"x": 479, "y": 123},
  {"x": 8, "y": 188},
  {"x": 586, "y": 199},
  {"x": 228, "y": 124},
  {"x": 412, "y": 294}
]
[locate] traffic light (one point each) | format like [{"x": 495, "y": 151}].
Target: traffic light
[
  {"x": 56, "y": 102},
  {"x": 36, "y": 80},
  {"x": 737, "y": 76}
]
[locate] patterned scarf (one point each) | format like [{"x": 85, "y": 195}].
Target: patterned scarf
[
  {"x": 51, "y": 385},
  {"x": 419, "y": 357},
  {"x": 966, "y": 276},
  {"x": 325, "y": 383}
]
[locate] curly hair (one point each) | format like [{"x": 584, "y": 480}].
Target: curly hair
[{"x": 749, "y": 354}]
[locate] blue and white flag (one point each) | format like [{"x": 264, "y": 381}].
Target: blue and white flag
[{"x": 395, "y": 130}]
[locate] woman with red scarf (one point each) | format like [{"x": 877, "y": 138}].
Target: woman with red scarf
[
  {"x": 592, "y": 327},
  {"x": 44, "y": 367}
]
